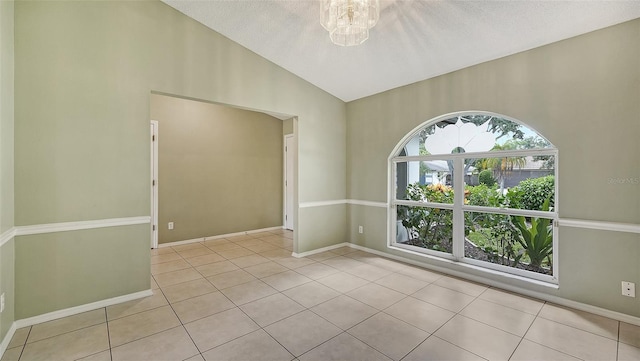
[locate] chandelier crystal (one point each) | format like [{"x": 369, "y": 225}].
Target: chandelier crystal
[{"x": 349, "y": 21}]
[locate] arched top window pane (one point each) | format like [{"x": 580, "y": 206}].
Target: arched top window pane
[{"x": 473, "y": 133}]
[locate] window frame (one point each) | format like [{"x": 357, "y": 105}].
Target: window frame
[{"x": 459, "y": 208}]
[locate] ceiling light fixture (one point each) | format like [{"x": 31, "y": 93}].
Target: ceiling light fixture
[{"x": 349, "y": 21}]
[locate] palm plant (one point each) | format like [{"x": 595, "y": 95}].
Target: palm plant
[{"x": 537, "y": 239}]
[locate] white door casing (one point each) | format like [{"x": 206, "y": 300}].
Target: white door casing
[{"x": 289, "y": 164}]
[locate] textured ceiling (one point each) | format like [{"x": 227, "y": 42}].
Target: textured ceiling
[{"x": 413, "y": 41}]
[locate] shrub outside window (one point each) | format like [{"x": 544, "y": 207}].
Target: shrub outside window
[{"x": 477, "y": 188}]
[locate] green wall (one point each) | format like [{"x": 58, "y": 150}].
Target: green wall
[
  {"x": 84, "y": 74},
  {"x": 220, "y": 169},
  {"x": 7, "y": 254},
  {"x": 583, "y": 95}
]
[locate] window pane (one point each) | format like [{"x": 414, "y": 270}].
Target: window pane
[
  {"x": 514, "y": 241},
  {"x": 424, "y": 227},
  {"x": 473, "y": 133},
  {"x": 424, "y": 181},
  {"x": 520, "y": 182}
]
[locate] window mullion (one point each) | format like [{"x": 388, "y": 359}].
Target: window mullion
[{"x": 458, "y": 213}]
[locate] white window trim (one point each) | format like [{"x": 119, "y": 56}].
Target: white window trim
[{"x": 459, "y": 208}]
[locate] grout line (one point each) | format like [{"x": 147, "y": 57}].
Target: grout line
[{"x": 106, "y": 318}]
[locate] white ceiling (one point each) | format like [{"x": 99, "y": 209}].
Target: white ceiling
[{"x": 413, "y": 41}]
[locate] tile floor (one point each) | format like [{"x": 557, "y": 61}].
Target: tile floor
[{"x": 245, "y": 298}]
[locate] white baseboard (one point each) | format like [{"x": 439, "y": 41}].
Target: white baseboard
[
  {"x": 202, "y": 239},
  {"x": 80, "y": 309},
  {"x": 7, "y": 338},
  {"x": 534, "y": 294},
  {"x": 320, "y": 250}
]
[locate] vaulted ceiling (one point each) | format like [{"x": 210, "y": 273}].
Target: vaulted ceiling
[{"x": 413, "y": 40}]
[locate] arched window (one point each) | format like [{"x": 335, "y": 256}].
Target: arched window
[{"x": 477, "y": 188}]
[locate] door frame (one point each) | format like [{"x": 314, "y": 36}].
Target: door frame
[
  {"x": 154, "y": 184},
  {"x": 285, "y": 185}
]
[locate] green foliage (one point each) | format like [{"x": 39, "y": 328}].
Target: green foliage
[
  {"x": 533, "y": 192},
  {"x": 536, "y": 239},
  {"x": 486, "y": 177},
  {"x": 430, "y": 228}
]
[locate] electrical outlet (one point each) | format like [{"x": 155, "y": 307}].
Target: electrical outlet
[
  {"x": 170, "y": 225},
  {"x": 2, "y": 303},
  {"x": 628, "y": 289},
  {"x": 360, "y": 229}
]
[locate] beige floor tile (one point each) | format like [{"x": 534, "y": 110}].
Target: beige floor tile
[
  {"x": 261, "y": 247},
  {"x": 196, "y": 252},
  {"x": 423, "y": 315},
  {"x": 531, "y": 351},
  {"x": 466, "y": 287},
  {"x": 141, "y": 325},
  {"x": 228, "y": 246},
  {"x": 344, "y": 347},
  {"x": 344, "y": 311},
  {"x": 391, "y": 265},
  {"x": 270, "y": 309},
  {"x": 257, "y": 345},
  {"x": 248, "y": 292},
  {"x": 12, "y": 354},
  {"x": 163, "y": 250},
  {"x": 220, "y": 328},
  {"x": 628, "y": 353},
  {"x": 582, "y": 320},
  {"x": 362, "y": 256},
  {"x": 173, "y": 344},
  {"x": 443, "y": 297},
  {"x": 235, "y": 253},
  {"x": 205, "y": 259},
  {"x": 261, "y": 234},
  {"x": 216, "y": 268},
  {"x": 343, "y": 250},
  {"x": 19, "y": 337},
  {"x": 322, "y": 256},
  {"x": 216, "y": 242},
  {"x": 478, "y": 338},
  {"x": 293, "y": 262},
  {"x": 369, "y": 272},
  {"x": 581, "y": 344},
  {"x": 171, "y": 266},
  {"x": 266, "y": 269},
  {"x": 175, "y": 277},
  {"x": 437, "y": 349},
  {"x": 240, "y": 237},
  {"x": 250, "y": 242},
  {"x": 285, "y": 280},
  {"x": 273, "y": 238},
  {"x": 100, "y": 356},
  {"x": 197, "y": 357},
  {"x": 343, "y": 263},
  {"x": 311, "y": 294},
  {"x": 518, "y": 302},
  {"x": 376, "y": 296},
  {"x": 135, "y": 306},
  {"x": 154, "y": 284},
  {"x": 66, "y": 324},
  {"x": 186, "y": 290},
  {"x": 250, "y": 260},
  {"x": 167, "y": 257},
  {"x": 389, "y": 335},
  {"x": 302, "y": 332},
  {"x": 629, "y": 334},
  {"x": 316, "y": 271},
  {"x": 502, "y": 317},
  {"x": 276, "y": 254},
  {"x": 69, "y": 346},
  {"x": 419, "y": 273},
  {"x": 401, "y": 283},
  {"x": 342, "y": 282},
  {"x": 188, "y": 246},
  {"x": 230, "y": 279},
  {"x": 202, "y": 306}
]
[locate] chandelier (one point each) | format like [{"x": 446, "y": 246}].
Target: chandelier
[{"x": 349, "y": 21}]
